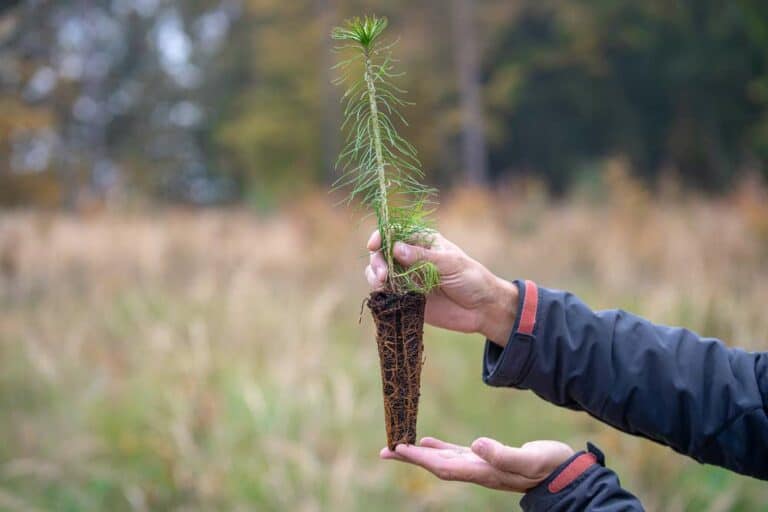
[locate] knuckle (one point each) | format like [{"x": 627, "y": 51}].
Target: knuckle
[{"x": 453, "y": 261}]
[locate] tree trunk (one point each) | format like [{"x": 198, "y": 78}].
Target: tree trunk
[
  {"x": 330, "y": 102},
  {"x": 474, "y": 157}
]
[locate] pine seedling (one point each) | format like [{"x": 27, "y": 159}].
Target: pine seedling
[
  {"x": 378, "y": 166},
  {"x": 381, "y": 170}
]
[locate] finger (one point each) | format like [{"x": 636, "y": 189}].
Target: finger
[
  {"x": 387, "y": 454},
  {"x": 408, "y": 254},
  {"x": 374, "y": 241},
  {"x": 374, "y": 282},
  {"x": 507, "y": 458},
  {"x": 379, "y": 266},
  {"x": 454, "y": 465},
  {"x": 433, "y": 442},
  {"x": 437, "y": 463}
]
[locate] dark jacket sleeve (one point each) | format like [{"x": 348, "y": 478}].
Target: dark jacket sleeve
[
  {"x": 667, "y": 384},
  {"x": 581, "y": 483}
]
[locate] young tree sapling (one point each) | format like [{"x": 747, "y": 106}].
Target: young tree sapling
[{"x": 380, "y": 169}]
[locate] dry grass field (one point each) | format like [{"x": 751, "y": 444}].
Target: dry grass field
[{"x": 213, "y": 360}]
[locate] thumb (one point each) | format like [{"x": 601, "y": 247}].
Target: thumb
[
  {"x": 500, "y": 456},
  {"x": 407, "y": 254}
]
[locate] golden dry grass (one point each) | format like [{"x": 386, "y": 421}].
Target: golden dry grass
[{"x": 213, "y": 360}]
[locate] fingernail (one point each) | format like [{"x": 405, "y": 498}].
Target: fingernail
[
  {"x": 480, "y": 445},
  {"x": 380, "y": 272},
  {"x": 401, "y": 250}
]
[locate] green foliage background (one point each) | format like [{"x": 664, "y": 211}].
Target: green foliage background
[{"x": 678, "y": 88}]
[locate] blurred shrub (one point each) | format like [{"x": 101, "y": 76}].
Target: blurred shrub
[{"x": 39, "y": 190}]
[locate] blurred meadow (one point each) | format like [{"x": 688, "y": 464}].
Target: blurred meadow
[
  {"x": 213, "y": 360},
  {"x": 180, "y": 297}
]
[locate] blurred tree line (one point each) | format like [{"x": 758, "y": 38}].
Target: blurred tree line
[{"x": 209, "y": 101}]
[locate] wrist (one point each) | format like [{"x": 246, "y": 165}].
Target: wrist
[{"x": 498, "y": 317}]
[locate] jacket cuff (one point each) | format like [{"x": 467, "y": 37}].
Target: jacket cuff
[
  {"x": 564, "y": 479},
  {"x": 508, "y": 366}
]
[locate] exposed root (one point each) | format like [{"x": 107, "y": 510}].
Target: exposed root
[{"x": 399, "y": 334}]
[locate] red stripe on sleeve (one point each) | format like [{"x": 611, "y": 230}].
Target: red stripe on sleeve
[
  {"x": 572, "y": 471},
  {"x": 530, "y": 303}
]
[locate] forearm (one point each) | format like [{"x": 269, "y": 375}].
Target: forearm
[{"x": 690, "y": 393}]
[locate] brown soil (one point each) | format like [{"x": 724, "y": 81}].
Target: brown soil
[{"x": 399, "y": 331}]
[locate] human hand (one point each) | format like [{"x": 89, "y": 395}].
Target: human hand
[
  {"x": 470, "y": 298},
  {"x": 487, "y": 462}
]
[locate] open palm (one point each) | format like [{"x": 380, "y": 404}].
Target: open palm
[{"x": 487, "y": 462}]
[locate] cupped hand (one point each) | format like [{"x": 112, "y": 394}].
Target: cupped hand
[
  {"x": 470, "y": 298},
  {"x": 487, "y": 462}
]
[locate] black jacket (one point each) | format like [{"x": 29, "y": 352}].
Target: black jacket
[{"x": 670, "y": 385}]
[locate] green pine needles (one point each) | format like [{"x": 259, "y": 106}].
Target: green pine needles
[{"x": 379, "y": 167}]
